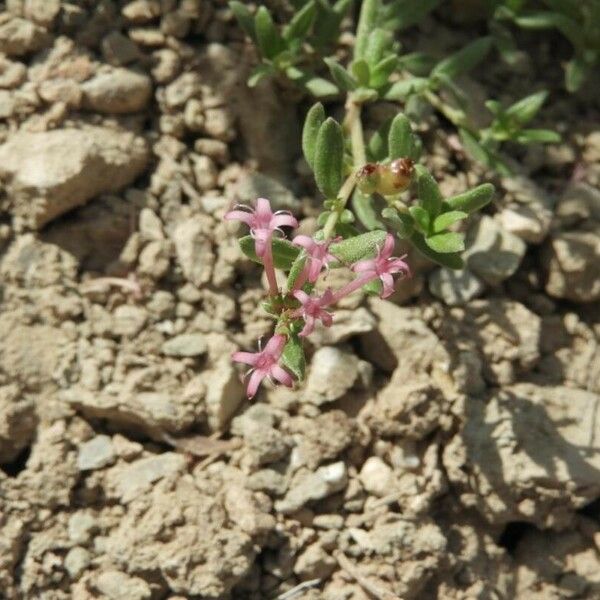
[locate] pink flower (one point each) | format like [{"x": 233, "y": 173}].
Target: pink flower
[
  {"x": 318, "y": 256},
  {"x": 263, "y": 222},
  {"x": 265, "y": 363},
  {"x": 382, "y": 266},
  {"x": 312, "y": 309}
]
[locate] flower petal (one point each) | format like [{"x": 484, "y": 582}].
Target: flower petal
[
  {"x": 388, "y": 285},
  {"x": 283, "y": 220},
  {"x": 248, "y": 358},
  {"x": 240, "y": 215},
  {"x": 282, "y": 375},
  {"x": 309, "y": 326},
  {"x": 314, "y": 269},
  {"x": 301, "y": 296},
  {"x": 254, "y": 381},
  {"x": 275, "y": 346},
  {"x": 326, "y": 318},
  {"x": 388, "y": 246},
  {"x": 367, "y": 264},
  {"x": 263, "y": 209},
  {"x": 304, "y": 241}
]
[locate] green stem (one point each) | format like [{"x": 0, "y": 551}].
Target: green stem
[{"x": 353, "y": 123}]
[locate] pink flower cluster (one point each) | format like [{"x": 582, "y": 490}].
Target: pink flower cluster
[{"x": 264, "y": 224}]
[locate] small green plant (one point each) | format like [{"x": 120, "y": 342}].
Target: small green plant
[
  {"x": 577, "y": 20},
  {"x": 374, "y": 192}
]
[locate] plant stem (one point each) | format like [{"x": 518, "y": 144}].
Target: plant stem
[
  {"x": 359, "y": 157},
  {"x": 270, "y": 269}
]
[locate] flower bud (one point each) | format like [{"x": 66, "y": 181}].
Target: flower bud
[{"x": 385, "y": 179}]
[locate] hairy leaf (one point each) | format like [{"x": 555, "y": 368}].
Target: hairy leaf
[
  {"x": 284, "y": 252},
  {"x": 402, "y": 89},
  {"x": 367, "y": 22},
  {"x": 382, "y": 71},
  {"x": 314, "y": 119},
  {"x": 329, "y": 158},
  {"x": 365, "y": 211},
  {"x": 269, "y": 40},
  {"x": 421, "y": 217},
  {"x": 525, "y": 109},
  {"x": 301, "y": 22},
  {"x": 471, "y": 200},
  {"x": 343, "y": 79},
  {"x": 244, "y": 18},
  {"x": 452, "y": 261},
  {"x": 293, "y": 357},
  {"x": 430, "y": 196},
  {"x": 401, "y": 143},
  {"x": 359, "y": 247},
  {"x": 446, "y": 243},
  {"x": 447, "y": 219},
  {"x": 463, "y": 60}
]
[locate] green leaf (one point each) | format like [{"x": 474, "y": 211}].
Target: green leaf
[
  {"x": 301, "y": 22},
  {"x": 344, "y": 80},
  {"x": 316, "y": 86},
  {"x": 378, "y": 143},
  {"x": 373, "y": 288},
  {"x": 378, "y": 42},
  {"x": 421, "y": 217},
  {"x": 259, "y": 73},
  {"x": 364, "y": 209},
  {"x": 452, "y": 261},
  {"x": 402, "y": 89},
  {"x": 362, "y": 95},
  {"x": 293, "y": 357},
  {"x": 447, "y": 219},
  {"x": 402, "y": 223},
  {"x": 361, "y": 71},
  {"x": 295, "y": 270},
  {"x": 382, "y": 71},
  {"x": 401, "y": 142},
  {"x": 446, "y": 243},
  {"x": 367, "y": 22},
  {"x": 463, "y": 60},
  {"x": 416, "y": 63},
  {"x": 480, "y": 153},
  {"x": 329, "y": 158},
  {"x": 576, "y": 72},
  {"x": 548, "y": 20},
  {"x": 267, "y": 36},
  {"x": 537, "y": 136},
  {"x": 359, "y": 247},
  {"x": 284, "y": 252},
  {"x": 429, "y": 193},
  {"x": 524, "y": 110},
  {"x": 314, "y": 119},
  {"x": 244, "y": 18},
  {"x": 471, "y": 200},
  {"x": 402, "y": 14}
]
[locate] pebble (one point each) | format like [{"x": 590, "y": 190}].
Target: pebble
[
  {"x": 455, "y": 288},
  {"x": 76, "y": 561},
  {"x": 116, "y": 585},
  {"x": 96, "y": 453},
  {"x": 332, "y": 373},
  {"x": 321, "y": 483},
  {"x": 376, "y": 476},
  {"x": 186, "y": 344},
  {"x": 117, "y": 90}
]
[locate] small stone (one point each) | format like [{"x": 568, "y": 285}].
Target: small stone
[
  {"x": 167, "y": 65},
  {"x": 81, "y": 526},
  {"x": 332, "y": 373},
  {"x": 219, "y": 124},
  {"x": 224, "y": 393},
  {"x": 267, "y": 480},
  {"x": 186, "y": 344},
  {"x": 42, "y": 12},
  {"x": 141, "y": 11},
  {"x": 328, "y": 521},
  {"x": 154, "y": 259},
  {"x": 323, "y": 482},
  {"x": 347, "y": 323},
  {"x": 12, "y": 74},
  {"x": 205, "y": 172},
  {"x": 573, "y": 263},
  {"x": 578, "y": 203},
  {"x": 216, "y": 149},
  {"x": 186, "y": 86},
  {"x": 128, "y": 320},
  {"x": 150, "y": 225},
  {"x": 455, "y": 287},
  {"x": 118, "y": 50},
  {"x": 194, "y": 250},
  {"x": 19, "y": 37},
  {"x": 376, "y": 477},
  {"x": 96, "y": 453},
  {"x": 117, "y": 90},
  {"x": 131, "y": 480},
  {"x": 77, "y": 561},
  {"x": 116, "y": 585},
  {"x": 315, "y": 563},
  {"x": 492, "y": 253},
  {"x": 51, "y": 172},
  {"x": 257, "y": 185}
]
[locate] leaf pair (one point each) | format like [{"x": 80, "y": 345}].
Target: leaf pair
[{"x": 323, "y": 147}]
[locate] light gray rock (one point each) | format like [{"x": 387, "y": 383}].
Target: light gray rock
[
  {"x": 96, "y": 453},
  {"x": 117, "y": 90},
  {"x": 455, "y": 287},
  {"x": 116, "y": 585},
  {"x": 81, "y": 526},
  {"x": 573, "y": 263},
  {"x": 49, "y": 173},
  {"x": 129, "y": 481},
  {"x": 77, "y": 561},
  {"x": 315, "y": 563},
  {"x": 224, "y": 393},
  {"x": 493, "y": 254},
  {"x": 522, "y": 454},
  {"x": 194, "y": 250},
  {"x": 376, "y": 476},
  {"x": 186, "y": 344},
  {"x": 314, "y": 486},
  {"x": 19, "y": 37},
  {"x": 332, "y": 373},
  {"x": 346, "y": 324},
  {"x": 128, "y": 320}
]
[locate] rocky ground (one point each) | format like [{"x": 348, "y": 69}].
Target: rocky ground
[{"x": 446, "y": 443}]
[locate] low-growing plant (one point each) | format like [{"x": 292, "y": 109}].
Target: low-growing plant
[
  {"x": 577, "y": 20},
  {"x": 374, "y": 192}
]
